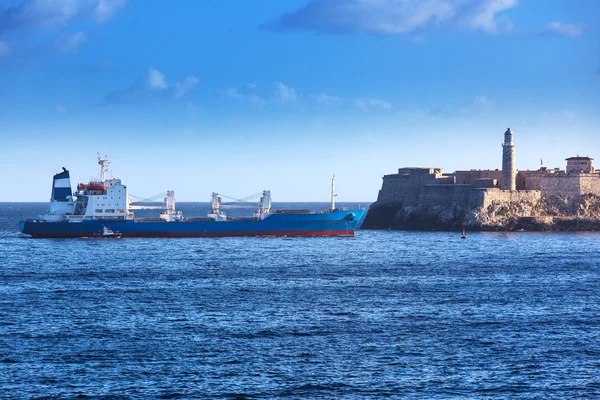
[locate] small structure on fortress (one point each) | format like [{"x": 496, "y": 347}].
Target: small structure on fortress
[{"x": 468, "y": 194}]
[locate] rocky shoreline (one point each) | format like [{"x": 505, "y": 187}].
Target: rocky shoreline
[{"x": 552, "y": 213}]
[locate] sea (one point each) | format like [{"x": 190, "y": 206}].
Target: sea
[{"x": 383, "y": 314}]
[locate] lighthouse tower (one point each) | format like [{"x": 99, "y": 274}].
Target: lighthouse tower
[{"x": 509, "y": 175}]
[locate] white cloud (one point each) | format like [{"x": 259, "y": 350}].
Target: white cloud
[
  {"x": 251, "y": 86},
  {"x": 105, "y": 9},
  {"x": 257, "y": 100},
  {"x": 364, "y": 104},
  {"x": 181, "y": 88},
  {"x": 233, "y": 93},
  {"x": 559, "y": 28},
  {"x": 45, "y": 14},
  {"x": 70, "y": 43},
  {"x": 284, "y": 93},
  {"x": 485, "y": 17},
  {"x": 156, "y": 79},
  {"x": 326, "y": 99},
  {"x": 386, "y": 17},
  {"x": 154, "y": 84}
]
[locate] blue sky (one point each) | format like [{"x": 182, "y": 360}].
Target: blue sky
[{"x": 241, "y": 96}]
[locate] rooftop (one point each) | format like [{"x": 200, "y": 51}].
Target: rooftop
[{"x": 579, "y": 158}]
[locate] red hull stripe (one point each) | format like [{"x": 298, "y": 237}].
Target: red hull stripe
[{"x": 210, "y": 234}]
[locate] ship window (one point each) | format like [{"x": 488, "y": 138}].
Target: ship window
[
  {"x": 109, "y": 210},
  {"x": 98, "y": 210}
]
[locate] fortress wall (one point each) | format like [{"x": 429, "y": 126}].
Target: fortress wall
[
  {"x": 573, "y": 184},
  {"x": 445, "y": 180},
  {"x": 477, "y": 197},
  {"x": 530, "y": 180},
  {"x": 590, "y": 184},
  {"x": 444, "y": 195},
  {"x": 407, "y": 184},
  {"x": 393, "y": 188},
  {"x": 461, "y": 195},
  {"x": 468, "y": 177},
  {"x": 485, "y": 197},
  {"x": 484, "y": 183}
]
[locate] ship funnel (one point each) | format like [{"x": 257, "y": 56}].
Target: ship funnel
[{"x": 61, "y": 187}]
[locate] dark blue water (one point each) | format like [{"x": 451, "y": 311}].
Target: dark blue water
[{"x": 382, "y": 314}]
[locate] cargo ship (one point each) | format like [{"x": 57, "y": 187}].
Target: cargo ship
[{"x": 104, "y": 204}]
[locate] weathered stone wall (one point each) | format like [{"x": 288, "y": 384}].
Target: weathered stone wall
[
  {"x": 406, "y": 185},
  {"x": 571, "y": 184},
  {"x": 446, "y": 180},
  {"x": 393, "y": 188},
  {"x": 485, "y": 183},
  {"x": 467, "y": 197},
  {"x": 530, "y": 180},
  {"x": 560, "y": 184},
  {"x": 468, "y": 177},
  {"x": 482, "y": 198},
  {"x": 444, "y": 195},
  {"x": 590, "y": 184}
]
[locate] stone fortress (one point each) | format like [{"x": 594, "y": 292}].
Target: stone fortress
[{"x": 492, "y": 199}]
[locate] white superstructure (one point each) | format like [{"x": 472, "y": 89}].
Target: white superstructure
[
  {"x": 103, "y": 197},
  {"x": 100, "y": 198}
]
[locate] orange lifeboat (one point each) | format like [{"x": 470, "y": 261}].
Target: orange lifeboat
[{"x": 96, "y": 186}]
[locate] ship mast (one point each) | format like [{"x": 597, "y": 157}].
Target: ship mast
[
  {"x": 103, "y": 163},
  {"x": 333, "y": 193}
]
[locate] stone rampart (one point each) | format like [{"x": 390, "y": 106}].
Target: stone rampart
[
  {"x": 468, "y": 177},
  {"x": 530, "y": 180},
  {"x": 485, "y": 183},
  {"x": 590, "y": 184},
  {"x": 485, "y": 197},
  {"x": 444, "y": 195},
  {"x": 571, "y": 184},
  {"x": 406, "y": 185}
]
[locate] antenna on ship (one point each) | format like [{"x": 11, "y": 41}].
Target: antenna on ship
[
  {"x": 333, "y": 193},
  {"x": 103, "y": 163}
]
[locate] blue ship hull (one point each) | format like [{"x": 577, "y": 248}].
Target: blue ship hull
[{"x": 335, "y": 223}]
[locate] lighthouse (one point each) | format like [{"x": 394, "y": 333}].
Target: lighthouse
[{"x": 509, "y": 181}]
